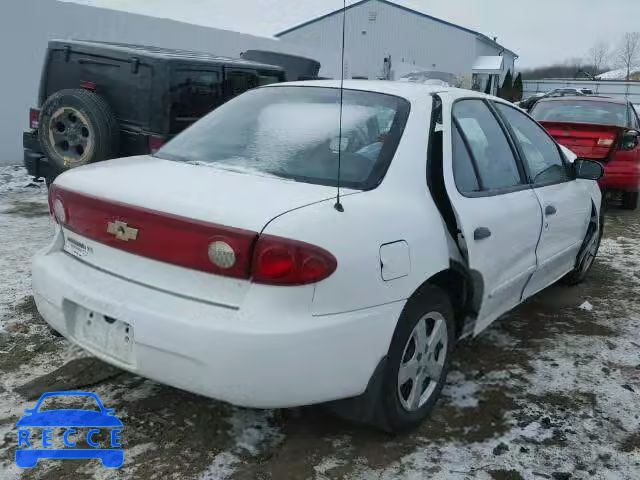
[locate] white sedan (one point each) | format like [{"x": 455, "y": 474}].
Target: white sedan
[{"x": 226, "y": 265}]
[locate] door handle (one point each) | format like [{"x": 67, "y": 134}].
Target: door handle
[
  {"x": 550, "y": 210},
  {"x": 481, "y": 233}
]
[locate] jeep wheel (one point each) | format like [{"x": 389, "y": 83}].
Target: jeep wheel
[{"x": 78, "y": 127}]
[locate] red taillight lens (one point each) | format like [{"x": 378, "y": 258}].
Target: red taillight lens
[
  {"x": 57, "y": 208},
  {"x": 34, "y": 118},
  {"x": 188, "y": 243},
  {"x": 86, "y": 85},
  {"x": 280, "y": 261},
  {"x": 185, "y": 242},
  {"x": 156, "y": 143}
]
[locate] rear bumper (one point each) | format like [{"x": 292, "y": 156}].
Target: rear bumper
[
  {"x": 621, "y": 176},
  {"x": 35, "y": 162},
  {"x": 270, "y": 362}
]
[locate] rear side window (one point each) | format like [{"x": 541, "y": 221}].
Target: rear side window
[
  {"x": 194, "y": 93},
  {"x": 581, "y": 111},
  {"x": 494, "y": 159},
  {"x": 239, "y": 81},
  {"x": 463, "y": 168},
  {"x": 292, "y": 132},
  {"x": 540, "y": 152},
  {"x": 269, "y": 78}
]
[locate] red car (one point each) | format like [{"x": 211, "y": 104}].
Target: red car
[{"x": 598, "y": 128}]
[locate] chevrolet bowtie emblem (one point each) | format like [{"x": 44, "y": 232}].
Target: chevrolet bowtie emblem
[{"x": 122, "y": 231}]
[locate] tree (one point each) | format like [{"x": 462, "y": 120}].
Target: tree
[
  {"x": 506, "y": 91},
  {"x": 629, "y": 51},
  {"x": 597, "y": 57},
  {"x": 518, "y": 89}
]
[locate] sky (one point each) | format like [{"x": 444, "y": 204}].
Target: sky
[{"x": 541, "y": 32}]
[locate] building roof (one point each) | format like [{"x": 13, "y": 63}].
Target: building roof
[
  {"x": 486, "y": 64},
  {"x": 401, "y": 7},
  {"x": 262, "y": 18}
]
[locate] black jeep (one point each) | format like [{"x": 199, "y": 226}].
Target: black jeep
[{"x": 105, "y": 100}]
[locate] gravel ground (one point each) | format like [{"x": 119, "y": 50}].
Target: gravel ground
[{"x": 551, "y": 391}]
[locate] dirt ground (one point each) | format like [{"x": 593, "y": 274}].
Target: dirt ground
[{"x": 551, "y": 391}]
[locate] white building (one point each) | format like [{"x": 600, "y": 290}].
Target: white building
[{"x": 415, "y": 41}]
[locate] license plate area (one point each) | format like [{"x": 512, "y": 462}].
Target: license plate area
[{"x": 103, "y": 334}]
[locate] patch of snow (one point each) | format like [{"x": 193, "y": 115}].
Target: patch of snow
[
  {"x": 327, "y": 464},
  {"x": 222, "y": 467},
  {"x": 586, "y": 306},
  {"x": 14, "y": 178},
  {"x": 461, "y": 392},
  {"x": 25, "y": 227},
  {"x": 619, "y": 74},
  {"x": 252, "y": 431}
]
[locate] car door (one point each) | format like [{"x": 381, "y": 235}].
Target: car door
[
  {"x": 566, "y": 204},
  {"x": 498, "y": 214}
]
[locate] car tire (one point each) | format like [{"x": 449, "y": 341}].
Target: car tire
[
  {"x": 630, "y": 200},
  {"x": 77, "y": 127},
  {"x": 584, "y": 263},
  {"x": 402, "y": 407}
]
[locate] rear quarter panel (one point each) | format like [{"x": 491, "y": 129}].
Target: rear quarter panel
[
  {"x": 355, "y": 237},
  {"x": 400, "y": 209}
]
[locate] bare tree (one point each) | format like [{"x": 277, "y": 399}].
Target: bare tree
[
  {"x": 597, "y": 56},
  {"x": 629, "y": 51}
]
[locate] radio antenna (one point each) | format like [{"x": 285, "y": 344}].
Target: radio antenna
[{"x": 338, "y": 206}]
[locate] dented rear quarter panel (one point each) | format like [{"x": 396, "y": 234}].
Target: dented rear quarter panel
[{"x": 399, "y": 209}]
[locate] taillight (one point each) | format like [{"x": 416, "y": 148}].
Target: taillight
[
  {"x": 156, "y": 143},
  {"x": 57, "y": 208},
  {"x": 189, "y": 243},
  {"x": 34, "y": 118},
  {"x": 185, "y": 242},
  {"x": 86, "y": 85},
  {"x": 280, "y": 261}
]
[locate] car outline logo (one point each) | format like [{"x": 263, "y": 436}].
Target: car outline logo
[{"x": 69, "y": 418}]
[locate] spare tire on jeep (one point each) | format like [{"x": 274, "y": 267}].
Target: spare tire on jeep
[{"x": 78, "y": 127}]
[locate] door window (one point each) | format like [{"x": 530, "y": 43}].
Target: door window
[
  {"x": 540, "y": 151},
  {"x": 488, "y": 145},
  {"x": 463, "y": 168}
]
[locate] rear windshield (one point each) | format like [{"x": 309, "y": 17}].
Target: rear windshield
[
  {"x": 293, "y": 133},
  {"x": 583, "y": 111}
]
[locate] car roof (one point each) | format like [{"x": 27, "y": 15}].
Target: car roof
[
  {"x": 409, "y": 90},
  {"x": 585, "y": 98},
  {"x": 167, "y": 54}
]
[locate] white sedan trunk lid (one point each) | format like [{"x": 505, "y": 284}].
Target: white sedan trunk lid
[{"x": 245, "y": 201}]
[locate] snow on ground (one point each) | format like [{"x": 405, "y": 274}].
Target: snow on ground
[
  {"x": 551, "y": 391},
  {"x": 24, "y": 227},
  {"x": 620, "y": 74}
]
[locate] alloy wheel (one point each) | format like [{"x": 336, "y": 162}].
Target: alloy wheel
[{"x": 422, "y": 361}]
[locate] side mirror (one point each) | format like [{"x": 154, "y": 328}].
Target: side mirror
[
  {"x": 589, "y": 169},
  {"x": 630, "y": 139}
]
